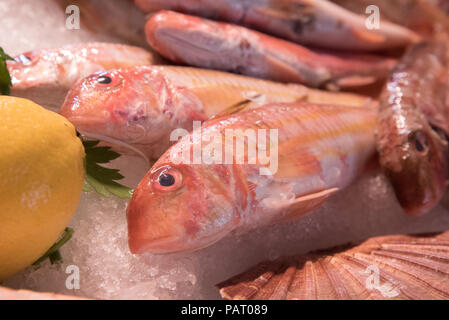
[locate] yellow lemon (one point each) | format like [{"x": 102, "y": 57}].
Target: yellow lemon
[{"x": 41, "y": 178}]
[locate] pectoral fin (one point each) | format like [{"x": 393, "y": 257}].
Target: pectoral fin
[
  {"x": 354, "y": 81},
  {"x": 305, "y": 204},
  {"x": 235, "y": 108}
]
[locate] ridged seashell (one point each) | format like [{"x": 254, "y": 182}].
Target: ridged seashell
[{"x": 389, "y": 267}]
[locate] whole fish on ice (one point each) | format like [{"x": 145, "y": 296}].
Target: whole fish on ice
[
  {"x": 205, "y": 43},
  {"x": 46, "y": 75},
  {"x": 140, "y": 106},
  {"x": 318, "y": 23},
  {"x": 414, "y": 127},
  {"x": 186, "y": 204}
]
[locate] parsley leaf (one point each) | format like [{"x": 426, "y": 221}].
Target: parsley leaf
[
  {"x": 5, "y": 78},
  {"x": 102, "y": 179},
  {"x": 53, "y": 253}
]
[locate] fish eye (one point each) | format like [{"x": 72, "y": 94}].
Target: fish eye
[
  {"x": 419, "y": 141},
  {"x": 167, "y": 179},
  {"x": 104, "y": 79}
]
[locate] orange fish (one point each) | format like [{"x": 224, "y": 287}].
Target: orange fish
[
  {"x": 140, "y": 106},
  {"x": 204, "y": 43},
  {"x": 288, "y": 159},
  {"x": 46, "y": 75},
  {"x": 317, "y": 23}
]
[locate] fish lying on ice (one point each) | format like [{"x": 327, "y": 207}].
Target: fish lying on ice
[
  {"x": 318, "y": 23},
  {"x": 46, "y": 75},
  {"x": 204, "y": 43},
  {"x": 200, "y": 189},
  {"x": 414, "y": 126},
  {"x": 140, "y": 106}
]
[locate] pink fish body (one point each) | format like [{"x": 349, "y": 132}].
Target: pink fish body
[
  {"x": 318, "y": 23},
  {"x": 181, "y": 205},
  {"x": 140, "y": 106},
  {"x": 47, "y": 74},
  {"x": 207, "y": 44}
]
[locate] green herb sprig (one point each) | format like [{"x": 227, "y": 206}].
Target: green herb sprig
[
  {"x": 101, "y": 179},
  {"x": 5, "y": 78},
  {"x": 53, "y": 253}
]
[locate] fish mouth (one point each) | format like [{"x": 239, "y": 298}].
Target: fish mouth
[
  {"x": 420, "y": 210},
  {"x": 416, "y": 204},
  {"x": 81, "y": 120},
  {"x": 176, "y": 243},
  {"x": 416, "y": 196}
]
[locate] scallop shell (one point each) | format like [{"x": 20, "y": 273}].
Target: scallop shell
[{"x": 389, "y": 267}]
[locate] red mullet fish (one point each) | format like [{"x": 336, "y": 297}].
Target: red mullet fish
[
  {"x": 317, "y": 23},
  {"x": 46, "y": 75},
  {"x": 186, "y": 204},
  {"x": 204, "y": 43},
  {"x": 141, "y": 106},
  {"x": 414, "y": 126}
]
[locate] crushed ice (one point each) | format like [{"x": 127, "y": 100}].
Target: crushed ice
[{"x": 99, "y": 246}]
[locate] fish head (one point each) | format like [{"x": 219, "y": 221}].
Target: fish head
[
  {"x": 416, "y": 165},
  {"x": 182, "y": 207},
  {"x": 120, "y": 104},
  {"x": 33, "y": 69},
  {"x": 189, "y": 39}
]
